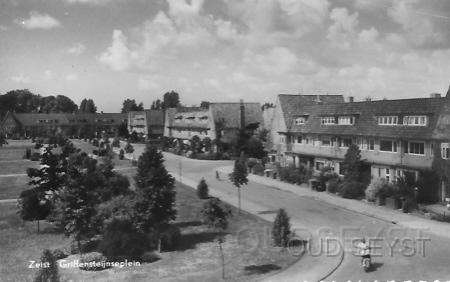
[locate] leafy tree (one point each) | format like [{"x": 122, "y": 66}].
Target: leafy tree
[
  {"x": 352, "y": 186},
  {"x": 88, "y": 106},
  {"x": 202, "y": 189},
  {"x": 239, "y": 176},
  {"x": 130, "y": 105},
  {"x": 216, "y": 215},
  {"x": 254, "y": 148},
  {"x": 196, "y": 144},
  {"x": 281, "y": 229},
  {"x": 58, "y": 104},
  {"x": 3, "y": 139},
  {"x": 171, "y": 100},
  {"x": 156, "y": 105},
  {"x": 156, "y": 192},
  {"x": 207, "y": 143},
  {"x": 123, "y": 130},
  {"x": 33, "y": 206},
  {"x": 50, "y": 272}
]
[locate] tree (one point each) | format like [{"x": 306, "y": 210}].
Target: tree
[
  {"x": 171, "y": 100},
  {"x": 129, "y": 148},
  {"x": 34, "y": 206},
  {"x": 48, "y": 273},
  {"x": 130, "y": 105},
  {"x": 3, "y": 140},
  {"x": 88, "y": 106},
  {"x": 156, "y": 105},
  {"x": 239, "y": 177},
  {"x": 216, "y": 215},
  {"x": 281, "y": 229},
  {"x": 123, "y": 130},
  {"x": 58, "y": 104},
  {"x": 202, "y": 189},
  {"x": 156, "y": 189},
  {"x": 352, "y": 186},
  {"x": 207, "y": 144}
]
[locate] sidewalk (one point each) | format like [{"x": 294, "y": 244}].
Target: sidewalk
[
  {"x": 378, "y": 212},
  {"x": 308, "y": 268}
]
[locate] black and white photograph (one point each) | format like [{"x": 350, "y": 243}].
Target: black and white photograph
[{"x": 225, "y": 140}]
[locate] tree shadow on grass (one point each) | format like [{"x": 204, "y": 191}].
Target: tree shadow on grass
[
  {"x": 184, "y": 224},
  {"x": 260, "y": 269},
  {"x": 189, "y": 241}
]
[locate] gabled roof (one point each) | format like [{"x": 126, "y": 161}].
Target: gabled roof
[
  {"x": 155, "y": 117},
  {"x": 228, "y": 114},
  {"x": 292, "y": 105},
  {"x": 366, "y": 114},
  {"x": 30, "y": 119}
]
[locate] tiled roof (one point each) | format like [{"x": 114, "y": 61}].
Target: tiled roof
[
  {"x": 194, "y": 113},
  {"x": 292, "y": 105},
  {"x": 366, "y": 114},
  {"x": 155, "y": 117},
  {"x": 30, "y": 119},
  {"x": 228, "y": 114}
]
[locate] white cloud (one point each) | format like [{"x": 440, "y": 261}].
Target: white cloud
[
  {"x": 344, "y": 25},
  {"x": 117, "y": 57},
  {"x": 48, "y": 75},
  {"x": 3, "y": 28},
  {"x": 71, "y": 77},
  {"x": 38, "y": 21},
  {"x": 77, "y": 49},
  {"x": 22, "y": 79}
]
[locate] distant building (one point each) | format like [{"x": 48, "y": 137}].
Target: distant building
[
  {"x": 394, "y": 136},
  {"x": 148, "y": 122},
  {"x": 221, "y": 121},
  {"x": 16, "y": 125}
]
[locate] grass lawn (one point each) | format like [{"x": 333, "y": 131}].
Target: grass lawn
[{"x": 248, "y": 254}]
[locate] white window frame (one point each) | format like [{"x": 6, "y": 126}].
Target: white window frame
[
  {"x": 416, "y": 142},
  {"x": 394, "y": 146},
  {"x": 297, "y": 139},
  {"x": 415, "y": 120},
  {"x": 328, "y": 120},
  {"x": 341, "y": 142},
  {"x": 445, "y": 151},
  {"x": 346, "y": 120},
  {"x": 300, "y": 120},
  {"x": 327, "y": 139},
  {"x": 388, "y": 120}
]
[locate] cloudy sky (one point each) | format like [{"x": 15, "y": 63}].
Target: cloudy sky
[{"x": 223, "y": 50}]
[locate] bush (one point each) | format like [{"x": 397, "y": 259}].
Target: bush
[
  {"x": 326, "y": 174},
  {"x": 281, "y": 229},
  {"x": 35, "y": 157},
  {"x": 150, "y": 257},
  {"x": 202, "y": 189},
  {"x": 95, "y": 142},
  {"x": 134, "y": 162},
  {"x": 129, "y": 148},
  {"x": 333, "y": 185},
  {"x": 92, "y": 261},
  {"x": 251, "y": 163},
  {"x": 49, "y": 273},
  {"x": 351, "y": 190},
  {"x": 258, "y": 169},
  {"x": 121, "y": 154},
  {"x": 116, "y": 142},
  {"x": 292, "y": 174},
  {"x": 409, "y": 204},
  {"x": 121, "y": 239},
  {"x": 441, "y": 217},
  {"x": 377, "y": 187},
  {"x": 59, "y": 254},
  {"x": 170, "y": 238}
]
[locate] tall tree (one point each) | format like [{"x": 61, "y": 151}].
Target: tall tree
[
  {"x": 171, "y": 100},
  {"x": 88, "y": 106},
  {"x": 156, "y": 189},
  {"x": 239, "y": 177},
  {"x": 49, "y": 273},
  {"x": 130, "y": 105},
  {"x": 34, "y": 206},
  {"x": 156, "y": 105},
  {"x": 281, "y": 229},
  {"x": 58, "y": 104}
]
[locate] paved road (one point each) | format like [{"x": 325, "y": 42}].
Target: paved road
[{"x": 400, "y": 250}]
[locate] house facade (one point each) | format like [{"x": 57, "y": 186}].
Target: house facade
[
  {"x": 149, "y": 123},
  {"x": 394, "y": 136},
  {"x": 16, "y": 125}
]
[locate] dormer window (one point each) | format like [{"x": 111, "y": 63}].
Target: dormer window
[
  {"x": 328, "y": 120},
  {"x": 415, "y": 120},
  {"x": 300, "y": 120},
  {"x": 387, "y": 120},
  {"x": 346, "y": 120}
]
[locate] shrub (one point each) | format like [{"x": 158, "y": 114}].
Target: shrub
[
  {"x": 35, "y": 157},
  {"x": 281, "y": 229},
  {"x": 121, "y": 239},
  {"x": 351, "y": 190},
  {"x": 86, "y": 245},
  {"x": 326, "y": 174},
  {"x": 292, "y": 174},
  {"x": 441, "y": 217},
  {"x": 258, "y": 169},
  {"x": 170, "y": 238},
  {"x": 251, "y": 163},
  {"x": 129, "y": 148},
  {"x": 409, "y": 204},
  {"x": 333, "y": 185},
  {"x": 116, "y": 142},
  {"x": 150, "y": 257},
  {"x": 202, "y": 189},
  {"x": 134, "y": 162},
  {"x": 95, "y": 142},
  {"x": 50, "y": 273},
  {"x": 92, "y": 261},
  {"x": 121, "y": 154},
  {"x": 375, "y": 189},
  {"x": 59, "y": 254}
]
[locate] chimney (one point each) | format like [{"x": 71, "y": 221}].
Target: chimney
[
  {"x": 351, "y": 99},
  {"x": 242, "y": 113},
  {"x": 435, "y": 95},
  {"x": 368, "y": 99}
]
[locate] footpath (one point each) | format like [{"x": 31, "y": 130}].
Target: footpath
[{"x": 379, "y": 212}]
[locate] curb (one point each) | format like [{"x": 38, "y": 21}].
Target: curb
[{"x": 335, "y": 268}]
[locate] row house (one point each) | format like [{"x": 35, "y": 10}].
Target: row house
[
  {"x": 149, "y": 123},
  {"x": 220, "y": 121},
  {"x": 16, "y": 125},
  {"x": 394, "y": 136}
]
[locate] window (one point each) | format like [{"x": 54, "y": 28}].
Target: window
[
  {"x": 319, "y": 165},
  {"x": 415, "y": 120},
  {"x": 307, "y": 140},
  {"x": 300, "y": 120},
  {"x": 388, "y": 146},
  {"x": 341, "y": 168},
  {"x": 328, "y": 120},
  {"x": 445, "y": 151},
  {"x": 431, "y": 149},
  {"x": 299, "y": 139},
  {"x": 326, "y": 141},
  {"x": 371, "y": 145},
  {"x": 346, "y": 120},
  {"x": 387, "y": 174},
  {"x": 387, "y": 120},
  {"x": 416, "y": 148},
  {"x": 346, "y": 142}
]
